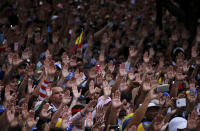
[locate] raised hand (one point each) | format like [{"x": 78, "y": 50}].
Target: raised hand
[
  {"x": 105, "y": 39},
  {"x": 174, "y": 36},
  {"x": 65, "y": 58},
  {"x": 8, "y": 96},
  {"x": 170, "y": 72},
  {"x": 106, "y": 89},
  {"x": 65, "y": 71},
  {"x": 132, "y": 51},
  {"x": 151, "y": 52},
  {"x": 152, "y": 94},
  {"x": 30, "y": 86},
  {"x": 16, "y": 60},
  {"x": 25, "y": 112},
  {"x": 146, "y": 57},
  {"x": 1, "y": 87},
  {"x": 123, "y": 84},
  {"x": 138, "y": 78},
  {"x": 55, "y": 37},
  {"x": 38, "y": 38},
  {"x": 50, "y": 69},
  {"x": 44, "y": 112},
  {"x": 180, "y": 76},
  {"x": 198, "y": 34},
  {"x": 144, "y": 32},
  {"x": 27, "y": 53},
  {"x": 78, "y": 77},
  {"x": 111, "y": 66},
  {"x": 116, "y": 102},
  {"x": 193, "y": 120},
  {"x": 99, "y": 113},
  {"x": 10, "y": 58},
  {"x": 48, "y": 55},
  {"x": 157, "y": 32},
  {"x": 48, "y": 91},
  {"x": 122, "y": 69},
  {"x": 89, "y": 120},
  {"x": 66, "y": 98},
  {"x": 101, "y": 56},
  {"x": 91, "y": 87},
  {"x": 158, "y": 122},
  {"x": 30, "y": 120},
  {"x": 146, "y": 84},
  {"x": 10, "y": 112},
  {"x": 194, "y": 51},
  {"x": 75, "y": 92}
]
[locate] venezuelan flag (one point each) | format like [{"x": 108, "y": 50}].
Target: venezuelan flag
[
  {"x": 125, "y": 121},
  {"x": 78, "y": 42}
]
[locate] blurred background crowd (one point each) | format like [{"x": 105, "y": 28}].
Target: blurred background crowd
[{"x": 99, "y": 65}]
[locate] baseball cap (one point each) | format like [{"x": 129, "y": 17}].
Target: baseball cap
[{"x": 177, "y": 123}]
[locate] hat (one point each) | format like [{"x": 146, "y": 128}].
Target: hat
[
  {"x": 125, "y": 121},
  {"x": 143, "y": 126},
  {"x": 155, "y": 101},
  {"x": 107, "y": 100},
  {"x": 178, "y": 49},
  {"x": 192, "y": 90},
  {"x": 165, "y": 94},
  {"x": 177, "y": 123},
  {"x": 76, "y": 109},
  {"x": 57, "y": 64},
  {"x": 152, "y": 105}
]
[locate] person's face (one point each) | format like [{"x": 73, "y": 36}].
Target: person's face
[
  {"x": 180, "y": 56},
  {"x": 131, "y": 75},
  {"x": 191, "y": 96},
  {"x": 158, "y": 123},
  {"x": 73, "y": 62},
  {"x": 108, "y": 77},
  {"x": 159, "y": 56},
  {"x": 57, "y": 95},
  {"x": 132, "y": 128},
  {"x": 151, "y": 113},
  {"x": 146, "y": 57},
  {"x": 99, "y": 80},
  {"x": 97, "y": 93}
]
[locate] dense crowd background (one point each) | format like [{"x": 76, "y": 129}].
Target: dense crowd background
[{"x": 125, "y": 73}]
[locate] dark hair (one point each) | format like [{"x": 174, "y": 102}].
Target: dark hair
[
  {"x": 15, "y": 128},
  {"x": 31, "y": 101}
]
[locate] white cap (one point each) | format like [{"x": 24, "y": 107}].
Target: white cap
[
  {"x": 177, "y": 123},
  {"x": 155, "y": 101},
  {"x": 152, "y": 105}
]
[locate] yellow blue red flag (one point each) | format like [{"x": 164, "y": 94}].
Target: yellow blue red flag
[{"x": 78, "y": 42}]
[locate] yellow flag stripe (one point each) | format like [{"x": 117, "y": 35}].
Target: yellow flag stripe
[{"x": 79, "y": 39}]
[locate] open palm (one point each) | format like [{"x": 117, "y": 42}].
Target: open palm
[{"x": 116, "y": 102}]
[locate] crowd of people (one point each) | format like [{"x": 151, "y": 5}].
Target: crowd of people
[{"x": 95, "y": 65}]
